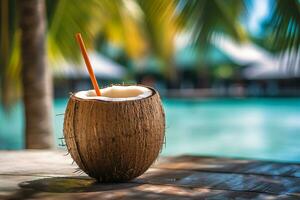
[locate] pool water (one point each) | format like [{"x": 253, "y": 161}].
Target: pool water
[{"x": 267, "y": 129}]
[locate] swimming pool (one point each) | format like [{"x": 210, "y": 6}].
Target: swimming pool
[{"x": 266, "y": 129}]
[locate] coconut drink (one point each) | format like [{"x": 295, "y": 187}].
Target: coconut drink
[
  {"x": 117, "y": 136},
  {"x": 114, "y": 134}
]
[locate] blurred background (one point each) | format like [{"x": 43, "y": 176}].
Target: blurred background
[{"x": 228, "y": 71}]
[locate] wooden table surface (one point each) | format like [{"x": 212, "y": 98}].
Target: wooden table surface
[{"x": 51, "y": 175}]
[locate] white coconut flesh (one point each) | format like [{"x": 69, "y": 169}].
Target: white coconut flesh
[{"x": 117, "y": 93}]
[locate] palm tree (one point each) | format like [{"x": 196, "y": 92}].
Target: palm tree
[{"x": 37, "y": 91}]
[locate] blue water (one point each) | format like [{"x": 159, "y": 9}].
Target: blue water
[{"x": 266, "y": 129}]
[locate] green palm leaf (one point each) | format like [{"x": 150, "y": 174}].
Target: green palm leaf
[
  {"x": 206, "y": 17},
  {"x": 160, "y": 21},
  {"x": 285, "y": 25}
]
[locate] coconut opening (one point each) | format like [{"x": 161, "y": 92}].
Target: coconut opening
[{"x": 117, "y": 93}]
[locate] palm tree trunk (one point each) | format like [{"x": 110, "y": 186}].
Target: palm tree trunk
[{"x": 36, "y": 80}]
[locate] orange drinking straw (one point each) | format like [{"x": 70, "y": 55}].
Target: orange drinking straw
[{"x": 88, "y": 63}]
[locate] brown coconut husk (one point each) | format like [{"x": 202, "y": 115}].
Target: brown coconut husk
[{"x": 114, "y": 141}]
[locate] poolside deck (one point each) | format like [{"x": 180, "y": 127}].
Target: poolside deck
[{"x": 50, "y": 175}]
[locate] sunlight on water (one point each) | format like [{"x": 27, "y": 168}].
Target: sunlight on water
[{"x": 252, "y": 128}]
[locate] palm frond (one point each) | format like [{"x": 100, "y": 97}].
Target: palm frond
[
  {"x": 204, "y": 18},
  {"x": 91, "y": 17},
  {"x": 69, "y": 18},
  {"x": 284, "y": 28},
  {"x": 9, "y": 62},
  {"x": 161, "y": 25},
  {"x": 285, "y": 25}
]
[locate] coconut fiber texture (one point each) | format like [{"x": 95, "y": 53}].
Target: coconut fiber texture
[{"x": 114, "y": 141}]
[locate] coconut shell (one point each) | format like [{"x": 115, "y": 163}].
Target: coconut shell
[{"x": 114, "y": 141}]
